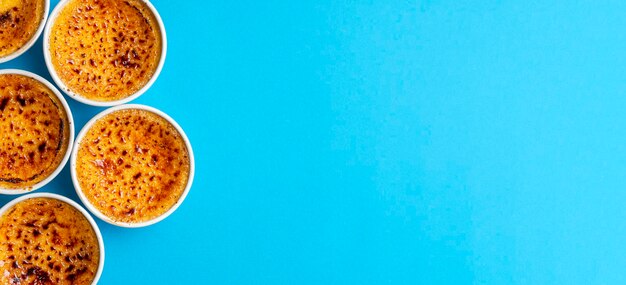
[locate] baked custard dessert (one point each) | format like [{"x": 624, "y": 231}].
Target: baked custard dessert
[
  {"x": 35, "y": 131},
  {"x": 132, "y": 165},
  {"x": 47, "y": 241},
  {"x": 19, "y": 22},
  {"x": 105, "y": 50}
]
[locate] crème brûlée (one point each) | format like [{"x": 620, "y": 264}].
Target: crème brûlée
[
  {"x": 19, "y": 22},
  {"x": 132, "y": 165},
  {"x": 105, "y": 50},
  {"x": 35, "y": 131},
  {"x": 47, "y": 241}
]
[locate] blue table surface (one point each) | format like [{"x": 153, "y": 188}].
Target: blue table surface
[{"x": 386, "y": 142}]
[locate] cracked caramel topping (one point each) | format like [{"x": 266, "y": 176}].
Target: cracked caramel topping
[
  {"x": 132, "y": 165},
  {"x": 47, "y": 241},
  {"x": 35, "y": 131},
  {"x": 19, "y": 21},
  {"x": 105, "y": 50}
]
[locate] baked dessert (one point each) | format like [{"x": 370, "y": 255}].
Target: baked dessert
[
  {"x": 47, "y": 241},
  {"x": 132, "y": 165},
  {"x": 105, "y": 50},
  {"x": 19, "y": 22},
  {"x": 35, "y": 131}
]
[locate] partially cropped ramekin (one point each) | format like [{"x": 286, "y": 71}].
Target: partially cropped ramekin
[
  {"x": 32, "y": 40},
  {"x": 48, "y": 58},
  {"x": 70, "y": 121},
  {"x": 75, "y": 205},
  {"x": 87, "y": 202}
]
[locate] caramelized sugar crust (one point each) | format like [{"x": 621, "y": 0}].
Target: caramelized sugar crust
[
  {"x": 133, "y": 165},
  {"x": 35, "y": 131},
  {"x": 105, "y": 50},
  {"x": 19, "y": 21},
  {"x": 47, "y": 241}
]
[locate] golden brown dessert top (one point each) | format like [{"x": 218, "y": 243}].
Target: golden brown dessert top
[
  {"x": 35, "y": 131},
  {"x": 105, "y": 50},
  {"x": 133, "y": 165},
  {"x": 19, "y": 21},
  {"x": 47, "y": 241}
]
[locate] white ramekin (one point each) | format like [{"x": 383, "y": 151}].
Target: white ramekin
[
  {"x": 86, "y": 201},
  {"x": 32, "y": 41},
  {"x": 80, "y": 98},
  {"x": 70, "y": 121},
  {"x": 94, "y": 226}
]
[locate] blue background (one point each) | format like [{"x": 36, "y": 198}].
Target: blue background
[{"x": 387, "y": 142}]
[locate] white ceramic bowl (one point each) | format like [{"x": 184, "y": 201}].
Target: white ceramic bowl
[
  {"x": 34, "y": 39},
  {"x": 77, "y": 207},
  {"x": 70, "y": 142},
  {"x": 80, "y": 98},
  {"x": 86, "y": 201}
]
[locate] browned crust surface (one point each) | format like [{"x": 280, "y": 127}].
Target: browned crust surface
[
  {"x": 133, "y": 165},
  {"x": 19, "y": 21},
  {"x": 47, "y": 241},
  {"x": 35, "y": 131},
  {"x": 105, "y": 50}
]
